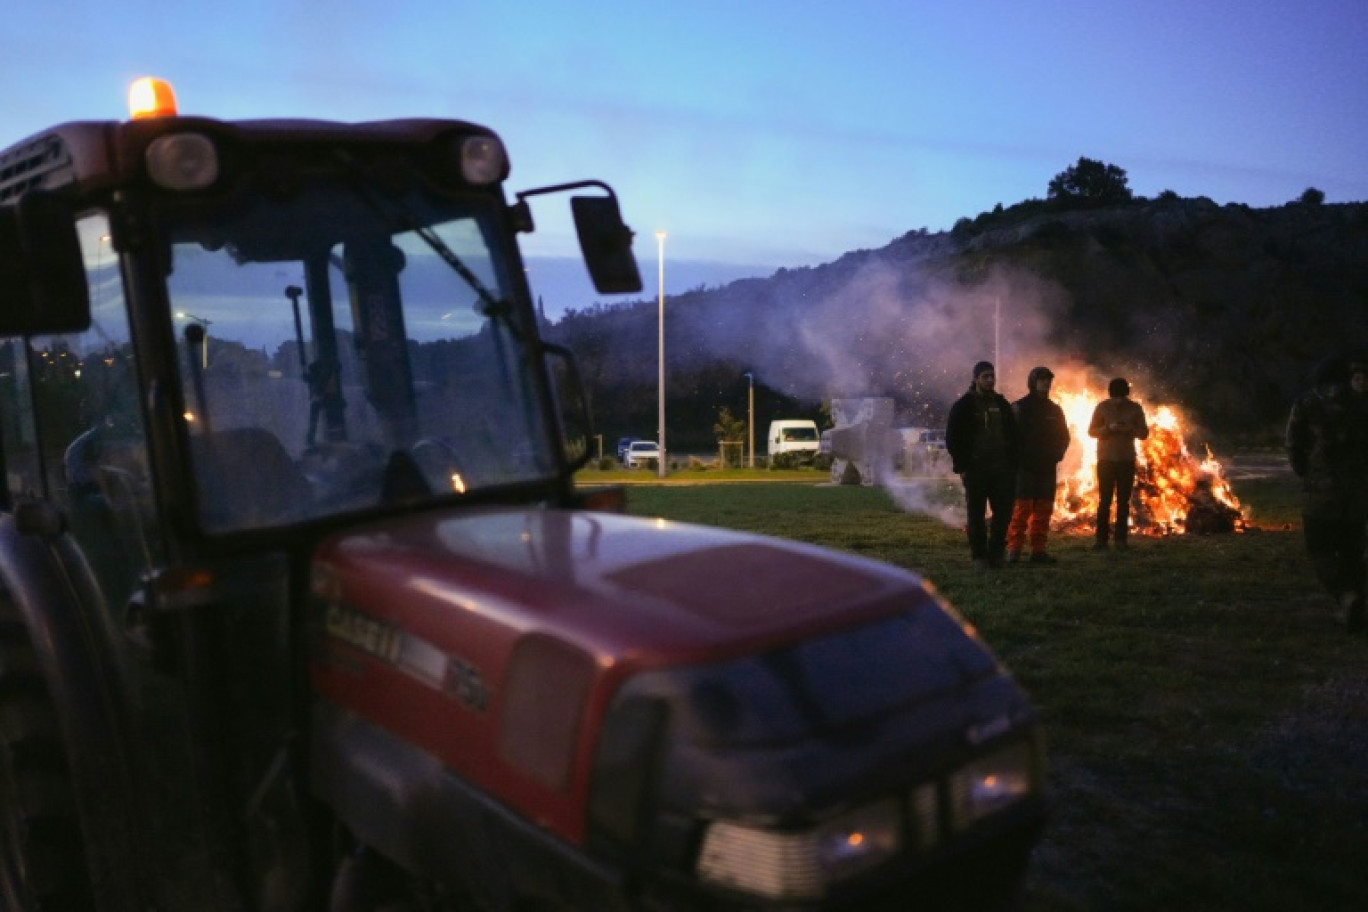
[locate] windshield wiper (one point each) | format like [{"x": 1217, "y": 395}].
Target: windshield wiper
[
  {"x": 404, "y": 220},
  {"x": 493, "y": 307}
]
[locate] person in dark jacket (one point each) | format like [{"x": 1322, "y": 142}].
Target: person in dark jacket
[
  {"x": 980, "y": 436},
  {"x": 1327, "y": 446},
  {"x": 1117, "y": 422},
  {"x": 1042, "y": 439}
]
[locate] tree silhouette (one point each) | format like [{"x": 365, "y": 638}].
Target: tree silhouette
[
  {"x": 1091, "y": 181},
  {"x": 1312, "y": 197},
  {"x": 728, "y": 427}
]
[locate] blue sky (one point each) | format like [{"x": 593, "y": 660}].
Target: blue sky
[{"x": 763, "y": 134}]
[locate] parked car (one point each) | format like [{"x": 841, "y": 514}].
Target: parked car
[
  {"x": 622, "y": 445},
  {"x": 933, "y": 438},
  {"x": 920, "y": 451},
  {"x": 641, "y": 452}
]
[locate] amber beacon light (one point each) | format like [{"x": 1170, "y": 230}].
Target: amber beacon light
[{"x": 151, "y": 97}]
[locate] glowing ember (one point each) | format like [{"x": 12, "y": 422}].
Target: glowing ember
[{"x": 1174, "y": 491}]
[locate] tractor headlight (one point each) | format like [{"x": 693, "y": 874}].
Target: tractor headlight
[
  {"x": 800, "y": 864},
  {"x": 483, "y": 160},
  {"x": 182, "y": 161},
  {"x": 990, "y": 783}
]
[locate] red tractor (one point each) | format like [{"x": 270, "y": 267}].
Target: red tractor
[{"x": 300, "y": 607}]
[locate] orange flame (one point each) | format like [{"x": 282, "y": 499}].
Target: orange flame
[{"x": 1175, "y": 492}]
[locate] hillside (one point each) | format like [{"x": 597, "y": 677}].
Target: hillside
[{"x": 1219, "y": 310}]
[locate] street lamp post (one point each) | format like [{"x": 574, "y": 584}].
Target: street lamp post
[
  {"x": 750, "y": 418},
  {"x": 997, "y": 333},
  {"x": 660, "y": 403}
]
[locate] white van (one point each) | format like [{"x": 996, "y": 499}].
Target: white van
[{"x": 793, "y": 436}]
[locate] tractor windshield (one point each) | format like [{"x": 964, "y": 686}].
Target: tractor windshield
[{"x": 343, "y": 346}]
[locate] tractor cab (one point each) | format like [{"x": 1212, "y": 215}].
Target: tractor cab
[{"x": 273, "y": 325}]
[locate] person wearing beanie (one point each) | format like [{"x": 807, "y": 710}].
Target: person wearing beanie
[
  {"x": 1327, "y": 446},
  {"x": 1117, "y": 422},
  {"x": 1042, "y": 439},
  {"x": 980, "y": 436}
]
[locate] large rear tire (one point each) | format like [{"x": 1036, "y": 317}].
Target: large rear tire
[{"x": 42, "y": 855}]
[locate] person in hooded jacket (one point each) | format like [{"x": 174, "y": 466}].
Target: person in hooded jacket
[
  {"x": 1117, "y": 422},
  {"x": 1327, "y": 446},
  {"x": 1042, "y": 439},
  {"x": 980, "y": 436}
]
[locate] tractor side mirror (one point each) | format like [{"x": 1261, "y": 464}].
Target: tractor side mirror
[
  {"x": 42, "y": 274},
  {"x": 606, "y": 242}
]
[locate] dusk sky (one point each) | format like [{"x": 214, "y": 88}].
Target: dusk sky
[{"x": 757, "y": 133}]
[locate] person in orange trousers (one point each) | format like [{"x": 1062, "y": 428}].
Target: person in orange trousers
[{"x": 1042, "y": 439}]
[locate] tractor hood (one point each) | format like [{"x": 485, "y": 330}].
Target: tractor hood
[
  {"x": 622, "y": 589},
  {"x": 513, "y": 643}
]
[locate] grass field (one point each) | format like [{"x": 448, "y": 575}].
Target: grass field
[{"x": 1207, "y": 718}]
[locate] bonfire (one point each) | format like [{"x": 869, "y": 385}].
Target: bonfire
[{"x": 1175, "y": 492}]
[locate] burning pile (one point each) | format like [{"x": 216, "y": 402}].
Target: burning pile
[{"x": 1175, "y": 492}]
